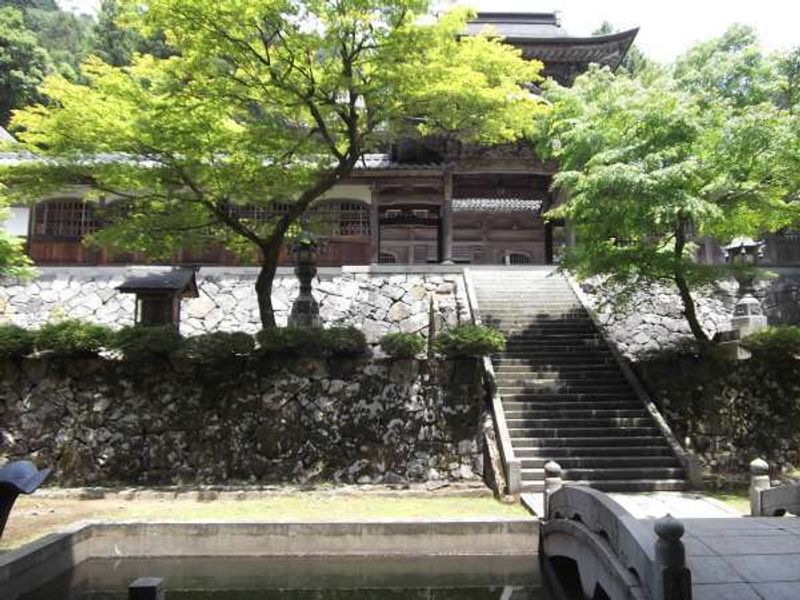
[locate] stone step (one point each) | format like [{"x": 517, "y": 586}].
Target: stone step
[
  {"x": 547, "y": 379},
  {"x": 557, "y": 454},
  {"x": 601, "y": 474},
  {"x": 587, "y": 442},
  {"x": 541, "y": 433},
  {"x": 536, "y": 349},
  {"x": 559, "y": 406},
  {"x": 561, "y": 375},
  {"x": 620, "y": 485},
  {"x": 587, "y": 413},
  {"x": 557, "y": 423},
  {"x": 549, "y": 361},
  {"x": 570, "y": 398},
  {"x": 576, "y": 462},
  {"x": 567, "y": 370},
  {"x": 534, "y": 390}
]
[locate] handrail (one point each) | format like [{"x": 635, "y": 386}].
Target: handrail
[
  {"x": 512, "y": 464},
  {"x": 656, "y": 556},
  {"x": 768, "y": 501},
  {"x": 687, "y": 460}
]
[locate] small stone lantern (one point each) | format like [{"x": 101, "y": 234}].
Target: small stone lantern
[
  {"x": 748, "y": 316},
  {"x": 305, "y": 310}
]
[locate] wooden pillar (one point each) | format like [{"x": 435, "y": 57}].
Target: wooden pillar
[
  {"x": 446, "y": 222},
  {"x": 374, "y": 228}
]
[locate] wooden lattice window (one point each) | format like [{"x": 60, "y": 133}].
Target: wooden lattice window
[
  {"x": 387, "y": 258},
  {"x": 342, "y": 218},
  {"x": 518, "y": 258},
  {"x": 65, "y": 219}
]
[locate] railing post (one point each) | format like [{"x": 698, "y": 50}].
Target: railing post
[
  {"x": 759, "y": 482},
  {"x": 552, "y": 483},
  {"x": 675, "y": 578}
]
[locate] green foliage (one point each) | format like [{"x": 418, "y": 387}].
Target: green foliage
[
  {"x": 290, "y": 341},
  {"x": 652, "y": 164},
  {"x": 256, "y": 108},
  {"x": 776, "y": 344},
  {"x": 15, "y": 341},
  {"x": 145, "y": 343},
  {"x": 73, "y": 337},
  {"x": 464, "y": 341},
  {"x": 13, "y": 260},
  {"x": 343, "y": 341},
  {"x": 402, "y": 345},
  {"x": 65, "y": 36},
  {"x": 117, "y": 43},
  {"x": 219, "y": 346},
  {"x": 23, "y": 63}
]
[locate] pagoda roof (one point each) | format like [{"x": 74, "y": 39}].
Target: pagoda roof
[{"x": 540, "y": 36}]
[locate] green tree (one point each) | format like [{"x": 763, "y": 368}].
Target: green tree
[
  {"x": 650, "y": 165},
  {"x": 23, "y": 63},
  {"x": 67, "y": 37},
  {"x": 24, "y": 5},
  {"x": 13, "y": 260},
  {"x": 268, "y": 104},
  {"x": 116, "y": 43}
]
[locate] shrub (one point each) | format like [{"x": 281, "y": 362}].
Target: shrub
[
  {"x": 219, "y": 346},
  {"x": 464, "y": 341},
  {"x": 73, "y": 337},
  {"x": 291, "y": 341},
  {"x": 142, "y": 343},
  {"x": 777, "y": 343},
  {"x": 15, "y": 341},
  {"x": 402, "y": 345},
  {"x": 343, "y": 341}
]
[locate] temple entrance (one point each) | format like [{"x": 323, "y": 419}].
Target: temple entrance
[{"x": 410, "y": 234}]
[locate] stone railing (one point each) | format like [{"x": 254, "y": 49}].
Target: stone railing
[
  {"x": 768, "y": 501},
  {"x": 614, "y": 550},
  {"x": 512, "y": 464}
]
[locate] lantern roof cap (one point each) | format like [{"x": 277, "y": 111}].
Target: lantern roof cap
[{"x": 174, "y": 280}]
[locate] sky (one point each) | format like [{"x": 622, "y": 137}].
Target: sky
[{"x": 667, "y": 27}]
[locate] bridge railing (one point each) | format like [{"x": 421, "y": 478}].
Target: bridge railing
[
  {"x": 769, "y": 501},
  {"x": 655, "y": 557}
]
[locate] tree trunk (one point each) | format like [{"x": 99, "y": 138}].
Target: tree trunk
[
  {"x": 689, "y": 308},
  {"x": 269, "y": 265}
]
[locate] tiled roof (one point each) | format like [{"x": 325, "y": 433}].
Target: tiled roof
[
  {"x": 518, "y": 25},
  {"x": 379, "y": 162},
  {"x": 497, "y": 205},
  {"x": 179, "y": 279}
]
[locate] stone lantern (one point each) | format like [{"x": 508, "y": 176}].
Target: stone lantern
[
  {"x": 748, "y": 316},
  {"x": 305, "y": 310}
]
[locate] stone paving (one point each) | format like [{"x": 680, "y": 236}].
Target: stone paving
[{"x": 681, "y": 505}]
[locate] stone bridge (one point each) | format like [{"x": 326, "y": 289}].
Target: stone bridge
[{"x": 591, "y": 547}]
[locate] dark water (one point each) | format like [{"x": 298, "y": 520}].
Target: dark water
[{"x": 351, "y": 578}]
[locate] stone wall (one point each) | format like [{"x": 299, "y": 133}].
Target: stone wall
[
  {"x": 729, "y": 412},
  {"x": 653, "y": 320},
  {"x": 104, "y": 422},
  {"x": 377, "y": 302}
]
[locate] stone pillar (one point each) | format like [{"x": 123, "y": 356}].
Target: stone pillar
[
  {"x": 759, "y": 481},
  {"x": 552, "y": 483},
  {"x": 374, "y": 228},
  {"x": 675, "y": 579},
  {"x": 446, "y": 228},
  {"x": 146, "y": 588}
]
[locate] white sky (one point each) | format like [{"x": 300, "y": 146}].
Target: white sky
[{"x": 667, "y": 26}]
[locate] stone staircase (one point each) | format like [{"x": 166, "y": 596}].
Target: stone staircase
[{"x": 564, "y": 395}]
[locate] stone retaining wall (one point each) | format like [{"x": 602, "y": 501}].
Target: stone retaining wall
[
  {"x": 653, "y": 321},
  {"x": 103, "y": 422},
  {"x": 378, "y": 303}
]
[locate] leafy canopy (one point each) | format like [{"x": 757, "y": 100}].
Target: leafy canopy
[
  {"x": 266, "y": 104},
  {"x": 652, "y": 164}
]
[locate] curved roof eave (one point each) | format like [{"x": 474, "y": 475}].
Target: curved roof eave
[{"x": 623, "y": 40}]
